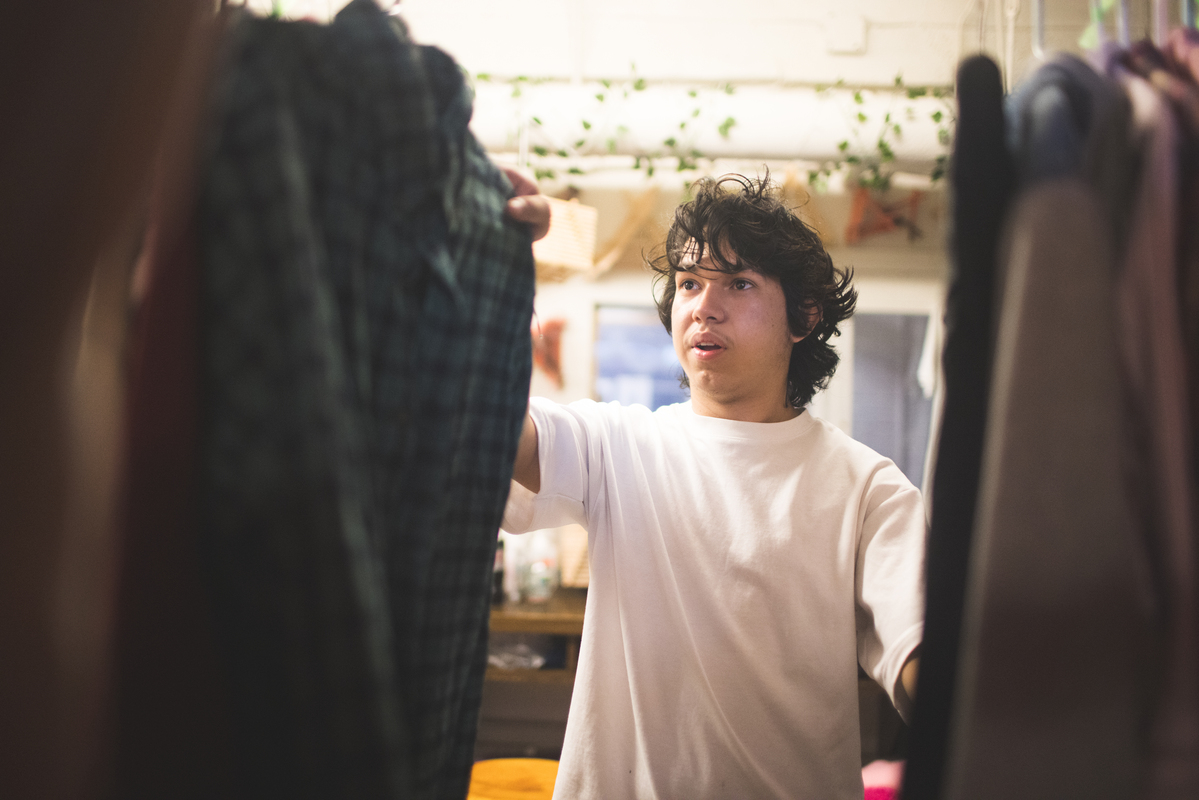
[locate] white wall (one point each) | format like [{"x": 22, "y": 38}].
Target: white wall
[
  {"x": 711, "y": 40},
  {"x": 801, "y": 41}
]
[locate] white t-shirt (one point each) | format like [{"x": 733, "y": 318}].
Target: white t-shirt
[{"x": 740, "y": 571}]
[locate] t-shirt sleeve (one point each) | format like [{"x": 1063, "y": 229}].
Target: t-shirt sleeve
[
  {"x": 890, "y": 576},
  {"x": 568, "y": 447}
]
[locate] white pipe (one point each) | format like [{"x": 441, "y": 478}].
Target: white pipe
[{"x": 771, "y": 122}]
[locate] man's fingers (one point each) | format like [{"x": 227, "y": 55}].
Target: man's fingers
[
  {"x": 521, "y": 183},
  {"x": 533, "y": 210}
]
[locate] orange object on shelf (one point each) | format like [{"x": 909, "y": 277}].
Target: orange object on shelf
[{"x": 513, "y": 779}]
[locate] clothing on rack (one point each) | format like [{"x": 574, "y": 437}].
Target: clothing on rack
[
  {"x": 981, "y": 178},
  {"x": 1079, "y": 672},
  {"x": 363, "y": 367},
  {"x": 1159, "y": 458}
]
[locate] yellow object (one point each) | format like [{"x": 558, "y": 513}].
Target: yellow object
[{"x": 513, "y": 779}]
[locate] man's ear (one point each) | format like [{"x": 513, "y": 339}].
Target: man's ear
[{"x": 814, "y": 314}]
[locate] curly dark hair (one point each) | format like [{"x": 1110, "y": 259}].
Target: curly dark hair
[{"x": 752, "y": 223}]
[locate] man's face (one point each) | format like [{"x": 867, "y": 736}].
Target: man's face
[{"x": 731, "y": 335}]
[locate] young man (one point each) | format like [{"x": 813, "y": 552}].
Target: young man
[{"x": 745, "y": 556}]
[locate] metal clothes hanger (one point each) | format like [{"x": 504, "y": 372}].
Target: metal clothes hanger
[
  {"x": 1122, "y": 29},
  {"x": 1038, "y": 29},
  {"x": 1161, "y": 22}
]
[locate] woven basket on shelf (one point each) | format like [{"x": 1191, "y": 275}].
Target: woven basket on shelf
[{"x": 568, "y": 248}]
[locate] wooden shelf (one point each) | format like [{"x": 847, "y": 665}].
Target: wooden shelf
[
  {"x": 552, "y": 677},
  {"x": 561, "y": 615}
]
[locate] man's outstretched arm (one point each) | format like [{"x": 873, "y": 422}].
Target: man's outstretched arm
[
  {"x": 527, "y": 471},
  {"x": 531, "y": 208}
]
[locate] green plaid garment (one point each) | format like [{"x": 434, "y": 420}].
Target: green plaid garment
[{"x": 365, "y": 372}]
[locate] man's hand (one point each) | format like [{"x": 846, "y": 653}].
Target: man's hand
[
  {"x": 905, "y": 691},
  {"x": 529, "y": 206}
]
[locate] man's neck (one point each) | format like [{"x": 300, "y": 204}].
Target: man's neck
[{"x": 746, "y": 410}]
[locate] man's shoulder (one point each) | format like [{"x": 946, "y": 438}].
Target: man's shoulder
[
  {"x": 610, "y": 413},
  {"x": 834, "y": 445}
]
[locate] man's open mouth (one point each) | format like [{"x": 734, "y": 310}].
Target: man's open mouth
[{"x": 707, "y": 347}]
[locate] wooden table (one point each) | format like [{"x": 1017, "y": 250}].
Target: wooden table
[{"x": 561, "y": 615}]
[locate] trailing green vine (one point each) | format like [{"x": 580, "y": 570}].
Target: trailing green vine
[{"x": 869, "y": 153}]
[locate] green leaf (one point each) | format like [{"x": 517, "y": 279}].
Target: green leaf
[
  {"x": 611, "y": 145},
  {"x": 636, "y": 162},
  {"x": 671, "y": 142},
  {"x": 917, "y": 91},
  {"x": 586, "y": 125},
  {"x": 843, "y": 145},
  {"x": 726, "y": 126},
  {"x": 579, "y": 143},
  {"x": 853, "y": 160},
  {"x": 541, "y": 151},
  {"x": 857, "y": 97},
  {"x": 936, "y": 116},
  {"x": 943, "y": 136},
  {"x": 639, "y": 85},
  {"x": 575, "y": 171},
  {"x": 683, "y": 125},
  {"x": 887, "y": 118},
  {"x": 516, "y": 91},
  {"x": 607, "y": 84},
  {"x": 862, "y": 117},
  {"x": 898, "y": 130},
  {"x": 649, "y": 171},
  {"x": 600, "y": 97},
  {"x": 483, "y": 76},
  {"x": 621, "y": 130},
  {"x": 899, "y": 79},
  {"x": 521, "y": 78},
  {"x": 544, "y": 174},
  {"x": 562, "y": 154},
  {"x": 692, "y": 93},
  {"x": 536, "y": 121},
  {"x": 694, "y": 112},
  {"x": 729, "y": 88},
  {"x": 885, "y": 150}
]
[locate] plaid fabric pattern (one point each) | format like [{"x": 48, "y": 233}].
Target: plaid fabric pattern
[{"x": 365, "y": 371}]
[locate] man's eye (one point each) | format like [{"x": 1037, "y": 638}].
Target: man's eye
[
  {"x": 688, "y": 285},
  {"x": 740, "y": 284}
]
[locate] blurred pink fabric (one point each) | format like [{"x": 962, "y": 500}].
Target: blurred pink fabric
[{"x": 882, "y": 780}]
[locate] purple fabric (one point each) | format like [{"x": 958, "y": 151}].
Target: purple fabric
[{"x": 1155, "y": 377}]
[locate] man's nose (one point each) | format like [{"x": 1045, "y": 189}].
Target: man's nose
[{"x": 709, "y": 305}]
